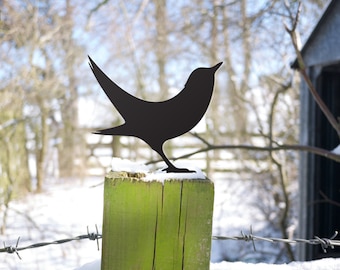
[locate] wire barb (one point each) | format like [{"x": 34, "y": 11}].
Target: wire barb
[
  {"x": 11, "y": 249},
  {"x": 249, "y": 237},
  {"x": 326, "y": 243},
  {"x": 94, "y": 236}
]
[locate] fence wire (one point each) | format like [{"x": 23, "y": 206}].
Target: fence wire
[
  {"x": 325, "y": 243},
  {"x": 15, "y": 249}
]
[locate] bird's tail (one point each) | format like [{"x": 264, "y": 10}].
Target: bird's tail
[
  {"x": 120, "y": 130},
  {"x": 107, "y": 131},
  {"x": 119, "y": 98}
]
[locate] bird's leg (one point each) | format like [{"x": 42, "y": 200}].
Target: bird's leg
[{"x": 172, "y": 167}]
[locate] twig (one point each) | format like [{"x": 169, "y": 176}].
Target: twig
[
  {"x": 326, "y": 199},
  {"x": 302, "y": 69},
  {"x": 196, "y": 135},
  {"x": 96, "y": 8}
]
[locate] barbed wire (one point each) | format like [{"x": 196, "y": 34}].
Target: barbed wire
[
  {"x": 325, "y": 243},
  {"x": 15, "y": 249}
]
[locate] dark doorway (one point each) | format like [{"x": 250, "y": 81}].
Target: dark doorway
[{"x": 327, "y": 173}]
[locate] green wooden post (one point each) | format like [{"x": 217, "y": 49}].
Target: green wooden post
[{"x": 154, "y": 225}]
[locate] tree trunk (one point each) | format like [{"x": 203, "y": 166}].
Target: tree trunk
[
  {"x": 68, "y": 148},
  {"x": 42, "y": 147}
]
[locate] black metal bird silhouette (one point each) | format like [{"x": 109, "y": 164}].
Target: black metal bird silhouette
[{"x": 157, "y": 122}]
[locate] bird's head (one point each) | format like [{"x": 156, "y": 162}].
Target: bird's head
[{"x": 202, "y": 76}]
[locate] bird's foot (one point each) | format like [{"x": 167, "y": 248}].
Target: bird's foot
[{"x": 178, "y": 170}]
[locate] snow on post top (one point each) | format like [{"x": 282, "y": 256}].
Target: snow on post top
[{"x": 124, "y": 165}]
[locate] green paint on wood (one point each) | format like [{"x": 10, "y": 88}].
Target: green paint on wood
[
  {"x": 169, "y": 239},
  {"x": 197, "y": 203},
  {"x": 148, "y": 225}
]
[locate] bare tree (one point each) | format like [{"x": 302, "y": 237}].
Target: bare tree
[
  {"x": 149, "y": 46},
  {"x": 34, "y": 33}
]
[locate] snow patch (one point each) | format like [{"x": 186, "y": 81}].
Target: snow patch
[
  {"x": 322, "y": 264},
  {"x": 336, "y": 150},
  {"x": 161, "y": 176},
  {"x": 95, "y": 265},
  {"x": 124, "y": 165}
]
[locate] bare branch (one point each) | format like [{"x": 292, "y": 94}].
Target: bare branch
[
  {"x": 304, "y": 148},
  {"x": 302, "y": 69},
  {"x": 327, "y": 199},
  {"x": 196, "y": 135},
  {"x": 97, "y": 7},
  {"x": 282, "y": 176}
]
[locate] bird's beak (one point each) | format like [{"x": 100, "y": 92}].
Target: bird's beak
[{"x": 214, "y": 68}]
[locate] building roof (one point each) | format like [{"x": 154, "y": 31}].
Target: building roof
[{"x": 322, "y": 36}]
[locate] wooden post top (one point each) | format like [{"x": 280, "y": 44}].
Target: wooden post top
[{"x": 156, "y": 224}]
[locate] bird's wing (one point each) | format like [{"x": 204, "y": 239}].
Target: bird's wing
[{"x": 122, "y": 100}]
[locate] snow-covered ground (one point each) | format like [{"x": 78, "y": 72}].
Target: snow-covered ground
[
  {"x": 64, "y": 210},
  {"x": 67, "y": 207},
  {"x": 324, "y": 264}
]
